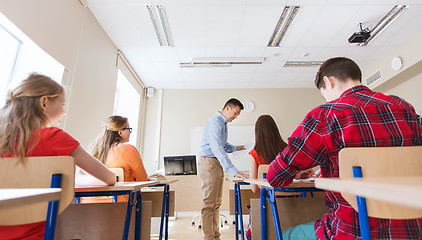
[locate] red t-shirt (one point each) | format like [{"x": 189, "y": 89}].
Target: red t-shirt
[
  {"x": 258, "y": 159},
  {"x": 51, "y": 142}
]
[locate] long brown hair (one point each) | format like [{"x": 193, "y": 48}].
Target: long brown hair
[
  {"x": 109, "y": 137},
  {"x": 22, "y": 114},
  {"x": 268, "y": 141}
]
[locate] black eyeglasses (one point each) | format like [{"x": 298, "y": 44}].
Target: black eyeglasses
[{"x": 130, "y": 129}]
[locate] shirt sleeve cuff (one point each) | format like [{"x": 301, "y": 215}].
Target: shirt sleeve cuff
[{"x": 232, "y": 171}]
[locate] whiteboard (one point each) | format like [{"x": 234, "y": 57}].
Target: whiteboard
[{"x": 237, "y": 135}]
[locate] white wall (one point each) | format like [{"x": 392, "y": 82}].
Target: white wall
[{"x": 70, "y": 33}]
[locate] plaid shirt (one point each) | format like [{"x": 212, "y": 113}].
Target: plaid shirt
[{"x": 359, "y": 118}]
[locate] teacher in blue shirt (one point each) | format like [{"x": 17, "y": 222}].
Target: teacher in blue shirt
[{"x": 213, "y": 160}]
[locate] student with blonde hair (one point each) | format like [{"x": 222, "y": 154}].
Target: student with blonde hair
[
  {"x": 28, "y": 128},
  {"x": 112, "y": 149}
]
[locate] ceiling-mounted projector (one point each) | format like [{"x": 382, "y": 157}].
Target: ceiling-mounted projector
[{"x": 360, "y": 37}]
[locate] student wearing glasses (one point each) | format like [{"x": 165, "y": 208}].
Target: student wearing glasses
[{"x": 112, "y": 149}]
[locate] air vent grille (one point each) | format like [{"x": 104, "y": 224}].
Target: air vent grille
[{"x": 373, "y": 78}]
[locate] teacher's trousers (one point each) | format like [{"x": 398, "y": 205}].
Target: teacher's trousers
[{"x": 212, "y": 177}]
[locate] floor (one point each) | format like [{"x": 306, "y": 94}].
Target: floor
[{"x": 181, "y": 228}]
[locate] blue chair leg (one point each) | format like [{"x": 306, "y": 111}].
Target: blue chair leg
[
  {"x": 128, "y": 217},
  {"x": 163, "y": 211},
  {"x": 236, "y": 211},
  {"x": 263, "y": 214},
  {"x": 239, "y": 205},
  {"x": 362, "y": 209},
  {"x": 272, "y": 200},
  {"x": 138, "y": 216},
  {"x": 53, "y": 207},
  {"x": 167, "y": 190}
]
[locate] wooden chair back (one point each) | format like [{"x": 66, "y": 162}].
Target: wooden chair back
[
  {"x": 382, "y": 162},
  {"x": 35, "y": 172},
  {"x": 120, "y": 174},
  {"x": 263, "y": 168}
]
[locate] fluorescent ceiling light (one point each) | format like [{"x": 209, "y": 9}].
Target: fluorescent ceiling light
[
  {"x": 385, "y": 22},
  {"x": 161, "y": 25},
  {"x": 221, "y": 62},
  {"x": 303, "y": 63},
  {"x": 286, "y": 19},
  {"x": 191, "y": 64}
]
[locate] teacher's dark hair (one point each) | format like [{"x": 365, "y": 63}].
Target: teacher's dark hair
[{"x": 233, "y": 102}]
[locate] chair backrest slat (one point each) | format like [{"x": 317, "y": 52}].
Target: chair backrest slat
[
  {"x": 35, "y": 172},
  {"x": 262, "y": 169},
  {"x": 119, "y": 173},
  {"x": 382, "y": 162}
]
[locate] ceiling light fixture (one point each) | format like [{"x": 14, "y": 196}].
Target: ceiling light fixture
[
  {"x": 385, "y": 22},
  {"x": 161, "y": 25},
  {"x": 303, "y": 63},
  {"x": 220, "y": 62},
  {"x": 286, "y": 19}
]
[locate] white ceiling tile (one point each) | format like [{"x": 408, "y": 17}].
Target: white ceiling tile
[
  {"x": 329, "y": 21},
  {"x": 186, "y": 54},
  {"x": 220, "y": 52},
  {"x": 240, "y": 77},
  {"x": 269, "y": 67},
  {"x": 167, "y": 67},
  {"x": 258, "y": 24},
  {"x": 306, "y": 54},
  {"x": 331, "y": 52},
  {"x": 244, "y": 68},
  {"x": 264, "y": 77},
  {"x": 249, "y": 51},
  {"x": 278, "y": 53},
  {"x": 218, "y": 77}
]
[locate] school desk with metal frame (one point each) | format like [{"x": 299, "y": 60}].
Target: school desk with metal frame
[
  {"x": 165, "y": 207},
  {"x": 268, "y": 193},
  {"x": 131, "y": 189},
  {"x": 238, "y": 215}
]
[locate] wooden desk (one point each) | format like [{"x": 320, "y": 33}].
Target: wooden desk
[
  {"x": 407, "y": 190},
  {"x": 165, "y": 207},
  {"x": 121, "y": 188},
  {"x": 238, "y": 216},
  {"x": 268, "y": 193},
  {"x": 15, "y": 197}
]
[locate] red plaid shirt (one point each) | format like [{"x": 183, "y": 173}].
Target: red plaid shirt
[{"x": 359, "y": 118}]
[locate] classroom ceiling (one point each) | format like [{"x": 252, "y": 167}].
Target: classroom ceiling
[{"x": 242, "y": 28}]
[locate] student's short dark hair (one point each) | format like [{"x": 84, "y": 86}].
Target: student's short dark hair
[
  {"x": 341, "y": 68},
  {"x": 233, "y": 102}
]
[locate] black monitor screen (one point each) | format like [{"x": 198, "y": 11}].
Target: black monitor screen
[{"x": 180, "y": 165}]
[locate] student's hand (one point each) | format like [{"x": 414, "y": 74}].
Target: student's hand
[
  {"x": 242, "y": 175},
  {"x": 318, "y": 173},
  {"x": 304, "y": 174},
  {"x": 240, "y": 147}
]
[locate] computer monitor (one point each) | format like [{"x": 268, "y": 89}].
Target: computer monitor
[{"x": 180, "y": 165}]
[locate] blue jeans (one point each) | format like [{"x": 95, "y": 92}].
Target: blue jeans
[{"x": 301, "y": 232}]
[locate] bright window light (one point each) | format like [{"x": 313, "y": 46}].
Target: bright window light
[
  {"x": 20, "y": 56},
  {"x": 126, "y": 104}
]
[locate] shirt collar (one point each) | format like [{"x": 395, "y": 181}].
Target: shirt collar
[
  {"x": 221, "y": 117},
  {"x": 353, "y": 90}
]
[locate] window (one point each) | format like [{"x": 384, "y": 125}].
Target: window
[
  {"x": 21, "y": 56},
  {"x": 126, "y": 104}
]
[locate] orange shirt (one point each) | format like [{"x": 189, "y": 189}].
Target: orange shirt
[{"x": 126, "y": 156}]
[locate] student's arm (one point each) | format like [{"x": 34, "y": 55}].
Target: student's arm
[
  {"x": 253, "y": 173},
  {"x": 91, "y": 165},
  {"x": 305, "y": 150},
  {"x": 133, "y": 159}
]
